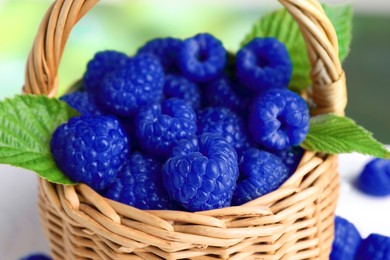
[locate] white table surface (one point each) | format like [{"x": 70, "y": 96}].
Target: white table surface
[{"x": 21, "y": 233}]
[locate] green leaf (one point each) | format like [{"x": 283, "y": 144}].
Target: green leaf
[
  {"x": 334, "y": 134},
  {"x": 281, "y": 25},
  {"x": 26, "y": 125}
]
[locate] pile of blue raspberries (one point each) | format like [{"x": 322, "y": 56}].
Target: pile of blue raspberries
[
  {"x": 184, "y": 124},
  {"x": 349, "y": 244}
]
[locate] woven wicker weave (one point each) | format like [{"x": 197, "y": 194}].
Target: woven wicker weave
[{"x": 294, "y": 222}]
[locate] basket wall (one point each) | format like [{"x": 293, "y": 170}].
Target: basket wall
[{"x": 294, "y": 222}]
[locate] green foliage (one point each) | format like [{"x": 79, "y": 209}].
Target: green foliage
[
  {"x": 333, "y": 134},
  {"x": 26, "y": 125}
]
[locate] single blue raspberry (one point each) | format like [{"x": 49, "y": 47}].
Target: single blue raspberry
[
  {"x": 262, "y": 64},
  {"x": 374, "y": 247},
  {"x": 166, "y": 50},
  {"x": 159, "y": 127},
  {"x": 82, "y": 102},
  {"x": 227, "y": 93},
  {"x": 260, "y": 173},
  {"x": 202, "y": 173},
  {"x": 374, "y": 180},
  {"x": 36, "y": 256},
  {"x": 279, "y": 119},
  {"x": 139, "y": 184},
  {"x": 139, "y": 83},
  {"x": 202, "y": 58},
  {"x": 291, "y": 157},
  {"x": 180, "y": 87},
  {"x": 103, "y": 63},
  {"x": 90, "y": 149},
  {"x": 222, "y": 121},
  {"x": 346, "y": 241}
]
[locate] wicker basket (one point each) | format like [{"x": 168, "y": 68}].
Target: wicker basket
[{"x": 294, "y": 222}]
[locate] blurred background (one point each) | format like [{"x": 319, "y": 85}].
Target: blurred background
[{"x": 126, "y": 25}]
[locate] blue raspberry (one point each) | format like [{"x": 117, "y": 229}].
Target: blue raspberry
[
  {"x": 202, "y": 58},
  {"x": 139, "y": 184},
  {"x": 222, "y": 121},
  {"x": 279, "y": 119},
  {"x": 260, "y": 173},
  {"x": 291, "y": 157},
  {"x": 375, "y": 178},
  {"x": 346, "y": 241},
  {"x": 202, "y": 173},
  {"x": 90, "y": 149},
  {"x": 225, "y": 92},
  {"x": 140, "y": 83},
  {"x": 180, "y": 87},
  {"x": 82, "y": 102},
  {"x": 36, "y": 256},
  {"x": 374, "y": 247},
  {"x": 103, "y": 63},
  {"x": 159, "y": 127},
  {"x": 166, "y": 50},
  {"x": 263, "y": 64}
]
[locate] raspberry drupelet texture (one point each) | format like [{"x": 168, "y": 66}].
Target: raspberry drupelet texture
[
  {"x": 90, "y": 149},
  {"x": 180, "y": 87},
  {"x": 225, "y": 92},
  {"x": 222, "y": 121},
  {"x": 374, "y": 180},
  {"x": 159, "y": 127},
  {"x": 263, "y": 64},
  {"x": 139, "y": 83},
  {"x": 291, "y": 157},
  {"x": 139, "y": 184},
  {"x": 279, "y": 119},
  {"x": 202, "y": 172},
  {"x": 82, "y": 102},
  {"x": 260, "y": 173},
  {"x": 202, "y": 58},
  {"x": 346, "y": 241},
  {"x": 103, "y": 63},
  {"x": 374, "y": 247},
  {"x": 166, "y": 50}
]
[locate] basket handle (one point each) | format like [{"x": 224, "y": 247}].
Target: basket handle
[
  {"x": 45, "y": 55},
  {"x": 329, "y": 84}
]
